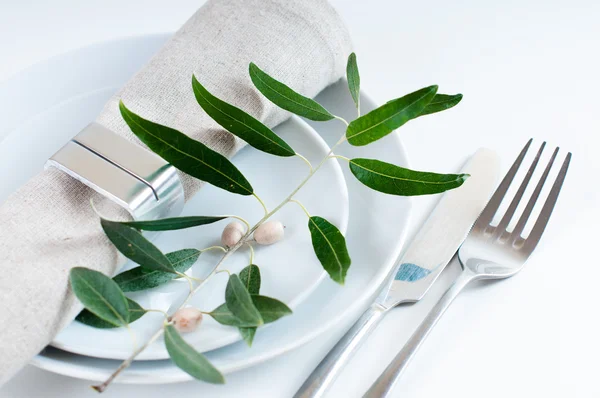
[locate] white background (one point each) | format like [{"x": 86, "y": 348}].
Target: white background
[{"x": 527, "y": 69}]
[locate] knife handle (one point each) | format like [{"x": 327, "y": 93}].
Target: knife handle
[
  {"x": 330, "y": 367},
  {"x": 384, "y": 384}
]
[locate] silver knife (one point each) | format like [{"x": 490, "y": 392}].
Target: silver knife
[{"x": 418, "y": 268}]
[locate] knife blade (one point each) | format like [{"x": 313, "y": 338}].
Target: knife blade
[
  {"x": 418, "y": 268},
  {"x": 442, "y": 233}
]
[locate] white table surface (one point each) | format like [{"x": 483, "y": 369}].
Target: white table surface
[{"x": 527, "y": 68}]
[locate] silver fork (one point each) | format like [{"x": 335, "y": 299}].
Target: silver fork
[{"x": 489, "y": 252}]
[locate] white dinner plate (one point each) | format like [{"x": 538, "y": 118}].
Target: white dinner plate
[
  {"x": 375, "y": 234},
  {"x": 289, "y": 269}
]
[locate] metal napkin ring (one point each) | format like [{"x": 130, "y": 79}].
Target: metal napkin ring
[{"x": 128, "y": 174}]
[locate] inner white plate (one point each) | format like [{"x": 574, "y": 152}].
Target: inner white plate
[
  {"x": 375, "y": 236},
  {"x": 289, "y": 269}
]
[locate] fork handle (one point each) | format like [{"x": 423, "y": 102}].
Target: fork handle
[
  {"x": 330, "y": 367},
  {"x": 384, "y": 384}
]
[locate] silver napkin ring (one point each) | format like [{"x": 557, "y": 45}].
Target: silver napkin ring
[{"x": 128, "y": 174}]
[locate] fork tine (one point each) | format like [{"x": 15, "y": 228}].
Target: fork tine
[
  {"x": 516, "y": 233},
  {"x": 515, "y": 202},
  {"x": 490, "y": 209},
  {"x": 538, "y": 229}
]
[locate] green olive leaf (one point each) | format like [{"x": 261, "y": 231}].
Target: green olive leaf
[
  {"x": 188, "y": 155},
  {"x": 139, "y": 278},
  {"x": 172, "y": 224},
  {"x": 133, "y": 245},
  {"x": 240, "y": 303},
  {"x": 224, "y": 316},
  {"x": 189, "y": 360},
  {"x": 286, "y": 98},
  {"x": 248, "y": 334},
  {"x": 250, "y": 277},
  {"x": 100, "y": 295},
  {"x": 270, "y": 309},
  {"x": 88, "y": 318},
  {"x": 441, "y": 102},
  {"x": 388, "y": 178},
  {"x": 383, "y": 120},
  {"x": 239, "y": 123},
  {"x": 330, "y": 247},
  {"x": 353, "y": 79}
]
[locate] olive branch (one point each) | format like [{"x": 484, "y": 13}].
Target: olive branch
[{"x": 106, "y": 305}]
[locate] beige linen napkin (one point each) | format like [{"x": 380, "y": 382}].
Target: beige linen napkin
[{"x": 47, "y": 226}]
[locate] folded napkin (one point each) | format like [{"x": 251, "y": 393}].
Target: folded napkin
[{"x": 47, "y": 226}]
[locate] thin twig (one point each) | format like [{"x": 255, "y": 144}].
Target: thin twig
[
  {"x": 241, "y": 219},
  {"x": 216, "y": 247},
  {"x": 301, "y": 206},
  {"x": 339, "y": 157},
  {"x": 261, "y": 203},
  {"x": 157, "y": 310},
  {"x": 127, "y": 362},
  {"x": 229, "y": 252},
  {"x": 305, "y": 161},
  {"x": 342, "y": 120},
  {"x": 251, "y": 252}
]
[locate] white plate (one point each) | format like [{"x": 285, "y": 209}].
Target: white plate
[
  {"x": 290, "y": 271},
  {"x": 376, "y": 229}
]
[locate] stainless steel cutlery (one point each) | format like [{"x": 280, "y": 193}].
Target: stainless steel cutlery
[
  {"x": 489, "y": 252},
  {"x": 420, "y": 265}
]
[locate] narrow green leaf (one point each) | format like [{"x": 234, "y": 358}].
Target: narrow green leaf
[
  {"x": 273, "y": 309},
  {"x": 441, "y": 102},
  {"x": 395, "y": 180},
  {"x": 239, "y": 123},
  {"x": 90, "y": 319},
  {"x": 224, "y": 316},
  {"x": 250, "y": 277},
  {"x": 353, "y": 79},
  {"x": 188, "y": 155},
  {"x": 100, "y": 295},
  {"x": 133, "y": 245},
  {"x": 189, "y": 360},
  {"x": 382, "y": 121},
  {"x": 248, "y": 335},
  {"x": 286, "y": 98},
  {"x": 330, "y": 247},
  {"x": 139, "y": 278},
  {"x": 172, "y": 224},
  {"x": 270, "y": 309},
  {"x": 240, "y": 303}
]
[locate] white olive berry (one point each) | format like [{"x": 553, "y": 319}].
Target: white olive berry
[
  {"x": 232, "y": 234},
  {"x": 269, "y": 233},
  {"x": 187, "y": 319}
]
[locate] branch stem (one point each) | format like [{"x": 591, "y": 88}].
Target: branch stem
[
  {"x": 261, "y": 203},
  {"x": 216, "y": 247},
  {"x": 301, "y": 206},
  {"x": 341, "y": 119},
  {"x": 127, "y": 362},
  {"x": 227, "y": 254},
  {"x": 242, "y": 219},
  {"x": 339, "y": 157},
  {"x": 251, "y": 252},
  {"x": 305, "y": 161}
]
